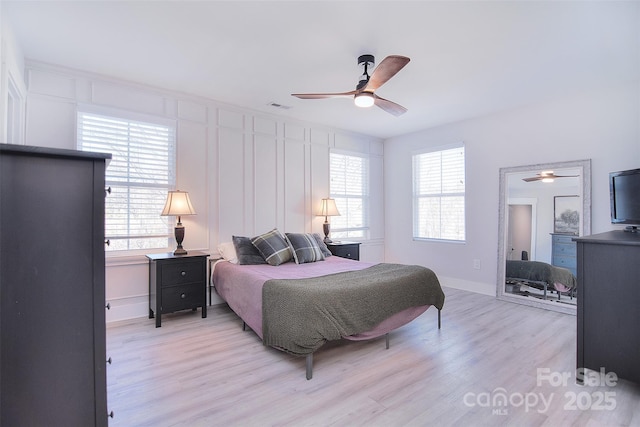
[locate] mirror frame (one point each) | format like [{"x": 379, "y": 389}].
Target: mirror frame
[{"x": 585, "y": 173}]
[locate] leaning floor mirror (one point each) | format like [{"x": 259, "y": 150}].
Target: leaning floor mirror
[{"x": 542, "y": 208}]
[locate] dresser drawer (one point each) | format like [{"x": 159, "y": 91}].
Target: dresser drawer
[
  {"x": 564, "y": 261},
  {"x": 176, "y": 298},
  {"x": 178, "y": 273},
  {"x": 564, "y": 249}
]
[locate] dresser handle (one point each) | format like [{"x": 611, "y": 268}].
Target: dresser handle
[
  {"x": 184, "y": 273},
  {"x": 110, "y": 414},
  {"x": 107, "y": 191},
  {"x": 183, "y": 296},
  {"x": 107, "y": 242},
  {"x": 108, "y": 306},
  {"x": 109, "y": 360}
]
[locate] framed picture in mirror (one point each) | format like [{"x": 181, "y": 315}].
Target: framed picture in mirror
[{"x": 566, "y": 212}]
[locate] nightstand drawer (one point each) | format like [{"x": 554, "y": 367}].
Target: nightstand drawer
[
  {"x": 178, "y": 273},
  {"x": 176, "y": 298},
  {"x": 345, "y": 250}
]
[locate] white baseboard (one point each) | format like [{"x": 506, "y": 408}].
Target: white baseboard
[
  {"x": 138, "y": 306},
  {"x": 467, "y": 285}
]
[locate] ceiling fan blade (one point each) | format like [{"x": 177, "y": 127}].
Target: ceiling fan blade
[
  {"x": 389, "y": 106},
  {"x": 323, "y": 95},
  {"x": 535, "y": 178},
  {"x": 385, "y": 70},
  {"x": 565, "y": 176}
]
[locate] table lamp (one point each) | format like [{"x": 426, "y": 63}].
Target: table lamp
[
  {"x": 327, "y": 209},
  {"x": 178, "y": 204}
]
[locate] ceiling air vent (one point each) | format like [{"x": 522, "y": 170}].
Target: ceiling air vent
[{"x": 280, "y": 106}]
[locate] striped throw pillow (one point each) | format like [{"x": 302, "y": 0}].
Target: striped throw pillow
[
  {"x": 273, "y": 247},
  {"x": 305, "y": 248}
]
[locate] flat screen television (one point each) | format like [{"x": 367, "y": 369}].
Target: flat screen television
[{"x": 624, "y": 189}]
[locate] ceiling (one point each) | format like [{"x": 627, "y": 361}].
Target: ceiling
[{"x": 468, "y": 59}]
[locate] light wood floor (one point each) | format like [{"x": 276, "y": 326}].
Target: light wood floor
[{"x": 208, "y": 372}]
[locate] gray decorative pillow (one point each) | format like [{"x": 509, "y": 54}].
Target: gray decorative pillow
[
  {"x": 322, "y": 245},
  {"x": 305, "y": 248},
  {"x": 245, "y": 251},
  {"x": 273, "y": 247}
]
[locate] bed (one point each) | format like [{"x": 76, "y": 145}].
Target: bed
[
  {"x": 542, "y": 276},
  {"x": 297, "y": 308}
]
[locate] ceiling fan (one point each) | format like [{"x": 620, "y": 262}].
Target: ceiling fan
[
  {"x": 547, "y": 176},
  {"x": 364, "y": 95}
]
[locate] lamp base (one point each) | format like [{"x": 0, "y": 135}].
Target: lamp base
[
  {"x": 326, "y": 228},
  {"x": 179, "y": 233}
]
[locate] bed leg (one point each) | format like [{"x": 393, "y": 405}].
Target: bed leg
[
  {"x": 244, "y": 326},
  {"x": 386, "y": 338},
  {"x": 439, "y": 318},
  {"x": 309, "y": 366}
]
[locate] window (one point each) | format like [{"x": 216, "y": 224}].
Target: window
[
  {"x": 349, "y": 176},
  {"x": 140, "y": 173},
  {"x": 439, "y": 194}
]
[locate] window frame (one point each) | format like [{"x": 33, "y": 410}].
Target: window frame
[
  {"x": 417, "y": 197},
  {"x": 131, "y": 117},
  {"x": 352, "y": 233}
]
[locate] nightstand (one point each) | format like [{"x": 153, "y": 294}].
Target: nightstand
[
  {"x": 345, "y": 249},
  {"x": 177, "y": 282}
]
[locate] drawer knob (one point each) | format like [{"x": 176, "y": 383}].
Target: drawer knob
[
  {"x": 184, "y": 273},
  {"x": 183, "y": 296},
  {"x": 108, "y": 306},
  {"x": 107, "y": 242},
  {"x": 110, "y": 414},
  {"x": 109, "y": 360}
]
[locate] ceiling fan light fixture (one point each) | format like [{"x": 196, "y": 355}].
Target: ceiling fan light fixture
[
  {"x": 547, "y": 179},
  {"x": 364, "y": 99}
]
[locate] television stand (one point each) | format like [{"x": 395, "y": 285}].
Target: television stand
[{"x": 631, "y": 229}]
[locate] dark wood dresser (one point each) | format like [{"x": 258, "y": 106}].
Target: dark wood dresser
[
  {"x": 52, "y": 287},
  {"x": 609, "y": 303}
]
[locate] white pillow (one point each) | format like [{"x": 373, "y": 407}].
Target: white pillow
[{"x": 228, "y": 251}]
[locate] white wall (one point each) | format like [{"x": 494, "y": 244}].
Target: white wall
[
  {"x": 11, "y": 86},
  {"x": 601, "y": 124},
  {"x": 246, "y": 172}
]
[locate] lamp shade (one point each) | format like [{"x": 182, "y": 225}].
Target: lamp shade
[
  {"x": 178, "y": 204},
  {"x": 328, "y": 208}
]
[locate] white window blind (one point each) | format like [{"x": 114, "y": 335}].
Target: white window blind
[
  {"x": 140, "y": 173},
  {"x": 349, "y": 186},
  {"x": 439, "y": 194}
]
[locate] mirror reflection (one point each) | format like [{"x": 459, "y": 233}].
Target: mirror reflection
[{"x": 542, "y": 207}]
